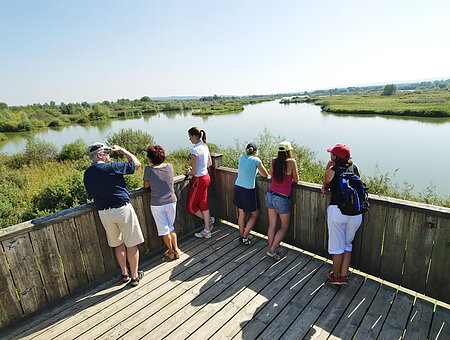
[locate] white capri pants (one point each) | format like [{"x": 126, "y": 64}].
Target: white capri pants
[
  {"x": 164, "y": 216},
  {"x": 341, "y": 230}
]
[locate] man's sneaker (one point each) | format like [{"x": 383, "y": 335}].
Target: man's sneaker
[
  {"x": 336, "y": 280},
  {"x": 203, "y": 234}
]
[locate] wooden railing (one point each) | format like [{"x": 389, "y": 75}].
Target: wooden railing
[
  {"x": 404, "y": 242},
  {"x": 48, "y": 258}
]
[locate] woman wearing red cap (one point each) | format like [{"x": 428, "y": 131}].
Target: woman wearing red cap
[{"x": 341, "y": 228}]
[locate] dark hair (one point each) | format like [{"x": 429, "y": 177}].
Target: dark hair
[
  {"x": 156, "y": 154},
  {"x": 195, "y": 131},
  {"x": 280, "y": 165},
  {"x": 343, "y": 162}
]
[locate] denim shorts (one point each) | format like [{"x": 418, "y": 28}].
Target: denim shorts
[{"x": 280, "y": 204}]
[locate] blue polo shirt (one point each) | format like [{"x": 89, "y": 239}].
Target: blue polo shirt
[
  {"x": 247, "y": 169},
  {"x": 105, "y": 183}
]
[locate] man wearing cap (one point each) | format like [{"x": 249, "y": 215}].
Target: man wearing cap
[{"x": 105, "y": 183}]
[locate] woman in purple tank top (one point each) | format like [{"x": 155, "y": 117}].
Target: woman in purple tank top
[{"x": 284, "y": 172}]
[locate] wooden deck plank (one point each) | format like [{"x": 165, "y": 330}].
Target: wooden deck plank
[
  {"x": 139, "y": 308},
  {"x": 222, "y": 289},
  {"x": 266, "y": 314},
  {"x": 155, "y": 284},
  {"x": 211, "y": 301},
  {"x": 376, "y": 315},
  {"x": 51, "y": 317},
  {"x": 235, "y": 303},
  {"x": 296, "y": 305},
  {"x": 331, "y": 315},
  {"x": 246, "y": 313},
  {"x": 202, "y": 295},
  {"x": 440, "y": 328},
  {"x": 420, "y": 320},
  {"x": 395, "y": 324},
  {"x": 349, "y": 322}
]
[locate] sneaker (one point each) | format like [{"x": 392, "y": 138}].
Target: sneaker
[
  {"x": 203, "y": 234},
  {"x": 247, "y": 240},
  {"x": 336, "y": 280},
  {"x": 274, "y": 256}
]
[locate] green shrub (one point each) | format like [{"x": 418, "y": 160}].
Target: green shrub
[
  {"x": 66, "y": 192},
  {"x": 37, "y": 151},
  {"x": 73, "y": 151},
  {"x": 55, "y": 122},
  {"x": 134, "y": 141}
]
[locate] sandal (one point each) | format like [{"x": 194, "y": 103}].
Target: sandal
[
  {"x": 177, "y": 255},
  {"x": 170, "y": 257},
  {"x": 125, "y": 278},
  {"x": 135, "y": 281}
]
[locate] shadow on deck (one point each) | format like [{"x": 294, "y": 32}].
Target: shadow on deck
[{"x": 222, "y": 289}]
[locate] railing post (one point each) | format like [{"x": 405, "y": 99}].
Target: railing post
[{"x": 216, "y": 160}]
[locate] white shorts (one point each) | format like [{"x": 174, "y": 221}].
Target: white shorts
[
  {"x": 164, "y": 216},
  {"x": 121, "y": 226},
  {"x": 341, "y": 230}
]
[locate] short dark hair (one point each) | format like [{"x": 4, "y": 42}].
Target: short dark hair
[{"x": 156, "y": 154}]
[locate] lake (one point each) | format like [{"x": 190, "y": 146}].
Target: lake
[{"x": 410, "y": 149}]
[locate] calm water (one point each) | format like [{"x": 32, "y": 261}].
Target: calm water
[{"x": 416, "y": 150}]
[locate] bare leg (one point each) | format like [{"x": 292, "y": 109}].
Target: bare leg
[
  {"x": 174, "y": 242},
  {"x": 206, "y": 217},
  {"x": 199, "y": 214},
  {"x": 241, "y": 222},
  {"x": 133, "y": 260},
  {"x": 272, "y": 225},
  {"x": 250, "y": 223},
  {"x": 168, "y": 242},
  {"x": 279, "y": 236},
  {"x": 338, "y": 259},
  {"x": 346, "y": 263},
  {"x": 121, "y": 256}
]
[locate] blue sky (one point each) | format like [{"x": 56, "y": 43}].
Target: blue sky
[{"x": 73, "y": 51}]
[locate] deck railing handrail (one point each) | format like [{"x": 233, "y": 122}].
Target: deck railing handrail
[{"x": 48, "y": 258}]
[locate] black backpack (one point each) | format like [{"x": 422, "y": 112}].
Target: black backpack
[{"x": 352, "y": 194}]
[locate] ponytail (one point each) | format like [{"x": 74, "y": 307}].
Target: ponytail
[{"x": 203, "y": 135}]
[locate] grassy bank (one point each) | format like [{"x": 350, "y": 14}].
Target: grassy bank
[
  {"x": 43, "y": 180},
  {"x": 37, "y": 116},
  {"x": 420, "y": 104}
]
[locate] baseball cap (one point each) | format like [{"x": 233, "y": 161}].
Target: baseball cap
[
  {"x": 285, "y": 146},
  {"x": 97, "y": 147},
  {"x": 251, "y": 147},
  {"x": 340, "y": 150}
]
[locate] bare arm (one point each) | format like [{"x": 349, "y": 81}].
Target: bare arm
[
  {"x": 209, "y": 160},
  {"x": 191, "y": 170},
  {"x": 128, "y": 155},
  {"x": 294, "y": 171},
  {"x": 262, "y": 170},
  {"x": 327, "y": 178}
]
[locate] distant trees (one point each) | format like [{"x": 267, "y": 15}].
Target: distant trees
[{"x": 389, "y": 90}]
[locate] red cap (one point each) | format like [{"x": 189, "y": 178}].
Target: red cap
[{"x": 340, "y": 150}]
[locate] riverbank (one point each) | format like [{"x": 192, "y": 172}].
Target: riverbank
[
  {"x": 415, "y": 103},
  {"x": 38, "y": 116}
]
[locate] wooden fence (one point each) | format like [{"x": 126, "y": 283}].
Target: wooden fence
[
  {"x": 404, "y": 242},
  {"x": 45, "y": 259}
]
